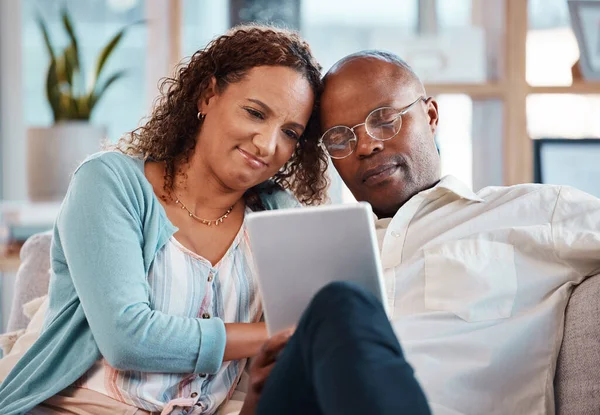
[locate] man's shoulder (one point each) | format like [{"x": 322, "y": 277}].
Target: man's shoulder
[
  {"x": 519, "y": 202},
  {"x": 519, "y": 191}
]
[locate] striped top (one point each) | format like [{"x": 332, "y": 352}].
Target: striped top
[{"x": 183, "y": 283}]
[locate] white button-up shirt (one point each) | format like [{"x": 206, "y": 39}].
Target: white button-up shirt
[{"x": 478, "y": 285}]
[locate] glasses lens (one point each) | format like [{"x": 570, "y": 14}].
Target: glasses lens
[
  {"x": 339, "y": 141},
  {"x": 384, "y": 123}
]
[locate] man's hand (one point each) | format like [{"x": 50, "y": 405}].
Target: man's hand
[{"x": 261, "y": 368}]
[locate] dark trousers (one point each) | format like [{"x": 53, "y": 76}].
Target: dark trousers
[{"x": 343, "y": 358}]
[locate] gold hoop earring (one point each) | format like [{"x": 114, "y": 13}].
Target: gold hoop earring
[{"x": 200, "y": 116}]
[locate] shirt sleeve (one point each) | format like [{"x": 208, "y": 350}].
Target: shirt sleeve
[
  {"x": 576, "y": 230},
  {"x": 100, "y": 230}
]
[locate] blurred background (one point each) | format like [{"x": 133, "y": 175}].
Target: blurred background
[{"x": 517, "y": 81}]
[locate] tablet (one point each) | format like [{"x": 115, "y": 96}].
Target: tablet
[{"x": 298, "y": 251}]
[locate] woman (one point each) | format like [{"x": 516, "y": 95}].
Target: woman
[{"x": 153, "y": 303}]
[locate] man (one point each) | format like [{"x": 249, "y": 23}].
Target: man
[{"x": 477, "y": 282}]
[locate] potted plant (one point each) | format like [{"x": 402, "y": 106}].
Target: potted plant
[{"x": 54, "y": 152}]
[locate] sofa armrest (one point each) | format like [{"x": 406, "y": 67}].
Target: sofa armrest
[
  {"x": 577, "y": 379},
  {"x": 32, "y": 279}
]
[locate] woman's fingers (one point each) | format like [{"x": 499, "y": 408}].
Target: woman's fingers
[
  {"x": 265, "y": 360},
  {"x": 259, "y": 377},
  {"x": 272, "y": 347}
]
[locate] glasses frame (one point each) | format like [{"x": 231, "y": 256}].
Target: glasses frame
[{"x": 400, "y": 113}]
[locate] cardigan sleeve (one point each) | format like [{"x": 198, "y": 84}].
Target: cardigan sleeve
[{"x": 99, "y": 230}]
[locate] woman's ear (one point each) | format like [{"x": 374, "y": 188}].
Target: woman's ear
[{"x": 208, "y": 97}]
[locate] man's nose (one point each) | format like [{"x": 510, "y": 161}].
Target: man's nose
[{"x": 366, "y": 145}]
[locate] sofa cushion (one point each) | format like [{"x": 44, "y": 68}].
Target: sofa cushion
[
  {"x": 24, "y": 338},
  {"x": 32, "y": 278},
  {"x": 577, "y": 380}
]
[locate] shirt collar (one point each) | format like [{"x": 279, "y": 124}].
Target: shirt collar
[
  {"x": 454, "y": 185},
  {"x": 446, "y": 184}
]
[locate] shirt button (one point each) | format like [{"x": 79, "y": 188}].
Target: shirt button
[
  {"x": 205, "y": 315},
  {"x": 194, "y": 394},
  {"x": 396, "y": 234},
  {"x": 210, "y": 277}
]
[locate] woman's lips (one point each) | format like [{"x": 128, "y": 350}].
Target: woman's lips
[{"x": 252, "y": 160}]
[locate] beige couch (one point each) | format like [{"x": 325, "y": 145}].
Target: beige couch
[{"x": 577, "y": 379}]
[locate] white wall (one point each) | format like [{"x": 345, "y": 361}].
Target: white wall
[{"x": 12, "y": 130}]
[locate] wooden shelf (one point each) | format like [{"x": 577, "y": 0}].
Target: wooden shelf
[
  {"x": 9, "y": 263},
  {"x": 498, "y": 90},
  {"x": 575, "y": 88},
  {"x": 9, "y": 257},
  {"x": 487, "y": 90}
]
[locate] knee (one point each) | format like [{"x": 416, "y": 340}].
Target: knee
[
  {"x": 342, "y": 296},
  {"x": 339, "y": 290}
]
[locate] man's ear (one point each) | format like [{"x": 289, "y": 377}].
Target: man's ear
[
  {"x": 432, "y": 114},
  {"x": 208, "y": 97}
]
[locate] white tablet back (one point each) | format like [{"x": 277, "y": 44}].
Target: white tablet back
[{"x": 299, "y": 251}]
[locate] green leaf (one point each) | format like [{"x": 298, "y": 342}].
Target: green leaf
[
  {"x": 83, "y": 107},
  {"x": 72, "y": 62},
  {"x": 53, "y": 90},
  {"x": 66, "y": 18},
  {"x": 66, "y": 112},
  {"x": 47, "y": 41},
  {"x": 76, "y": 111},
  {"x": 109, "y": 48},
  {"x": 96, "y": 94},
  {"x": 73, "y": 108},
  {"x": 61, "y": 70}
]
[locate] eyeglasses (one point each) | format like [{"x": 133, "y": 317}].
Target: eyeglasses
[{"x": 381, "y": 124}]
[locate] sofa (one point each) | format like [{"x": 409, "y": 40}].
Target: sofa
[{"x": 577, "y": 377}]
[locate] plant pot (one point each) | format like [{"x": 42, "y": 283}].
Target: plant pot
[{"x": 53, "y": 154}]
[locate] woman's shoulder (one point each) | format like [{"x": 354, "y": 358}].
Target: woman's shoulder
[
  {"x": 114, "y": 161},
  {"x": 113, "y": 173},
  {"x": 114, "y": 168}
]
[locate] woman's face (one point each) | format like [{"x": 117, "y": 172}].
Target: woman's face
[{"x": 251, "y": 129}]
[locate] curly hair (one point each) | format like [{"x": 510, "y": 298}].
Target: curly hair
[{"x": 169, "y": 135}]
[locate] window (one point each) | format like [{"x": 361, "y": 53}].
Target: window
[
  {"x": 551, "y": 45},
  {"x": 563, "y": 116},
  {"x": 202, "y": 20},
  {"x": 337, "y": 28},
  {"x": 552, "y": 50},
  {"x": 455, "y": 135}
]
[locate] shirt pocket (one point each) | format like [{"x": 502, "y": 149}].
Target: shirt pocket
[{"x": 474, "y": 279}]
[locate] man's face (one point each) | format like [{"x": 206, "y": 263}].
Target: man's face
[{"x": 384, "y": 173}]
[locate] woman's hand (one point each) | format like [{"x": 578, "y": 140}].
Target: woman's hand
[{"x": 261, "y": 367}]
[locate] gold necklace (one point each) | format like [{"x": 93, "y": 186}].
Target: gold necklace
[{"x": 205, "y": 221}]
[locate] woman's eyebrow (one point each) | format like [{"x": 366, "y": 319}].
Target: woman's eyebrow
[
  {"x": 261, "y": 104},
  {"x": 268, "y": 110}
]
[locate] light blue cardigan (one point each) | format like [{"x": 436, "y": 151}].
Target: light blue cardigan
[{"x": 109, "y": 229}]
